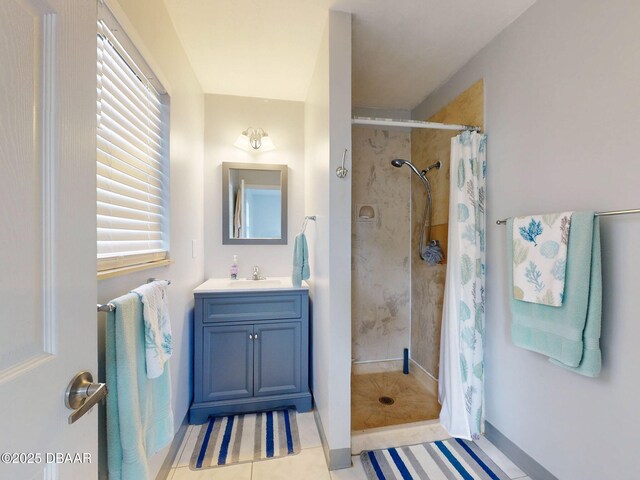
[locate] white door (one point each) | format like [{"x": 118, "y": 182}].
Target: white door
[{"x": 47, "y": 235}]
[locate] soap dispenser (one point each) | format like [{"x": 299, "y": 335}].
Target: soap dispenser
[{"x": 233, "y": 271}]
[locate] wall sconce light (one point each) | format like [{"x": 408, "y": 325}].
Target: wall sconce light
[{"x": 256, "y": 139}]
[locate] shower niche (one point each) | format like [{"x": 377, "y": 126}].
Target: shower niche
[{"x": 367, "y": 213}]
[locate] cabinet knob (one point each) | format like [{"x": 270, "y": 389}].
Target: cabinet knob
[
  {"x": 250, "y": 337},
  {"x": 255, "y": 337}
]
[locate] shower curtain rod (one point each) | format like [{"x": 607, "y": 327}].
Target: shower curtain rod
[
  {"x": 390, "y": 122},
  {"x": 597, "y": 214}
]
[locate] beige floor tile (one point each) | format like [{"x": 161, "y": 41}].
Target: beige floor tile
[
  {"x": 397, "y": 436},
  {"x": 412, "y": 401},
  {"x": 500, "y": 459},
  {"x": 189, "y": 443},
  {"x": 308, "y": 431},
  {"x": 356, "y": 472},
  {"x": 309, "y": 464},
  {"x": 231, "y": 472}
]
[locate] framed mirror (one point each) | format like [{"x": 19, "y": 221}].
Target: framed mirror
[{"x": 254, "y": 204}]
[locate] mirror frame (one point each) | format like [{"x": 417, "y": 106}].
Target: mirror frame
[{"x": 283, "y": 169}]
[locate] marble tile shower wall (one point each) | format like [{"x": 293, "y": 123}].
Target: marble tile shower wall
[
  {"x": 427, "y": 281},
  {"x": 380, "y": 249}
]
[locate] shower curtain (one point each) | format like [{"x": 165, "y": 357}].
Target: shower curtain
[{"x": 460, "y": 385}]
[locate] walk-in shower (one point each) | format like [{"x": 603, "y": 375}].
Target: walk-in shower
[
  {"x": 392, "y": 313},
  {"x": 432, "y": 253}
]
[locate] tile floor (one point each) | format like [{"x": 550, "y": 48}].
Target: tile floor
[
  {"x": 397, "y": 436},
  {"x": 309, "y": 464},
  {"x": 412, "y": 401}
]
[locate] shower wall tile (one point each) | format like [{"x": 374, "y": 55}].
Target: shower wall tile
[
  {"x": 380, "y": 249},
  {"x": 429, "y": 146},
  {"x": 427, "y": 282},
  {"x": 427, "y": 295}
]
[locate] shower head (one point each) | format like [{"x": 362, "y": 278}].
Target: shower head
[{"x": 398, "y": 162}]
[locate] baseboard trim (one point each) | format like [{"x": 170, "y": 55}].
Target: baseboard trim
[
  {"x": 174, "y": 449},
  {"x": 424, "y": 377},
  {"x": 337, "y": 458},
  {"x": 376, "y": 366},
  {"x": 518, "y": 456},
  {"x": 340, "y": 458}
]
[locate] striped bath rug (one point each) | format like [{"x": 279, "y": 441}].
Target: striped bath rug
[
  {"x": 446, "y": 460},
  {"x": 246, "y": 438}
]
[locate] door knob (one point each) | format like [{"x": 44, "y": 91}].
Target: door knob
[{"x": 82, "y": 394}]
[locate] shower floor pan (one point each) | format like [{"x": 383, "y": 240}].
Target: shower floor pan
[
  {"x": 391, "y": 409},
  {"x": 390, "y": 398}
]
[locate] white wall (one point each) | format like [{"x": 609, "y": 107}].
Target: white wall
[
  {"x": 328, "y": 132},
  {"x": 225, "y": 118},
  {"x": 562, "y": 116},
  {"x": 149, "y": 26}
]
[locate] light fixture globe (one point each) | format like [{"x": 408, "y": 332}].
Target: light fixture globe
[
  {"x": 256, "y": 139},
  {"x": 242, "y": 142},
  {"x": 267, "y": 143}
]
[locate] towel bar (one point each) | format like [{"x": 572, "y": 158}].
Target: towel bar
[
  {"x": 597, "y": 214},
  {"x": 110, "y": 307}
]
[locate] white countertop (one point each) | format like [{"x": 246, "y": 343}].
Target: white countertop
[{"x": 270, "y": 284}]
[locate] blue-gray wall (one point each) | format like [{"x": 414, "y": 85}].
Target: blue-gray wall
[{"x": 562, "y": 87}]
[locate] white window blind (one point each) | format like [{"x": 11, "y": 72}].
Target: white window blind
[{"x": 132, "y": 146}]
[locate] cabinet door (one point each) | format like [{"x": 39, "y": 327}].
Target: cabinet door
[
  {"x": 277, "y": 361},
  {"x": 227, "y": 362}
]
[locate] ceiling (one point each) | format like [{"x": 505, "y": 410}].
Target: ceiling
[{"x": 402, "y": 49}]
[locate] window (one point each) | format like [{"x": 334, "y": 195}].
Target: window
[{"x": 132, "y": 154}]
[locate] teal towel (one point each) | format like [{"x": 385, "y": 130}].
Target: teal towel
[
  {"x": 300, "y": 261},
  {"x": 139, "y": 416},
  {"x": 570, "y": 334}
]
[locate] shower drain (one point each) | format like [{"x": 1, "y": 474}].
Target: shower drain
[{"x": 386, "y": 400}]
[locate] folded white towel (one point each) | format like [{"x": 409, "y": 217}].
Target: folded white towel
[
  {"x": 157, "y": 326},
  {"x": 540, "y": 257}
]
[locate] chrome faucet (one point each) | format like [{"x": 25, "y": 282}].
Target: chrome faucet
[{"x": 256, "y": 274}]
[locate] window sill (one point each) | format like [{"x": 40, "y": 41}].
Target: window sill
[{"x": 116, "y": 272}]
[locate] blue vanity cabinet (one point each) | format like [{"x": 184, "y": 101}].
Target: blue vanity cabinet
[
  {"x": 229, "y": 368},
  {"x": 250, "y": 352},
  {"x": 277, "y": 358}
]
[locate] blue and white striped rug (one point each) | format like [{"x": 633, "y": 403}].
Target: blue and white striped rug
[
  {"x": 246, "y": 438},
  {"x": 451, "y": 459}
]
